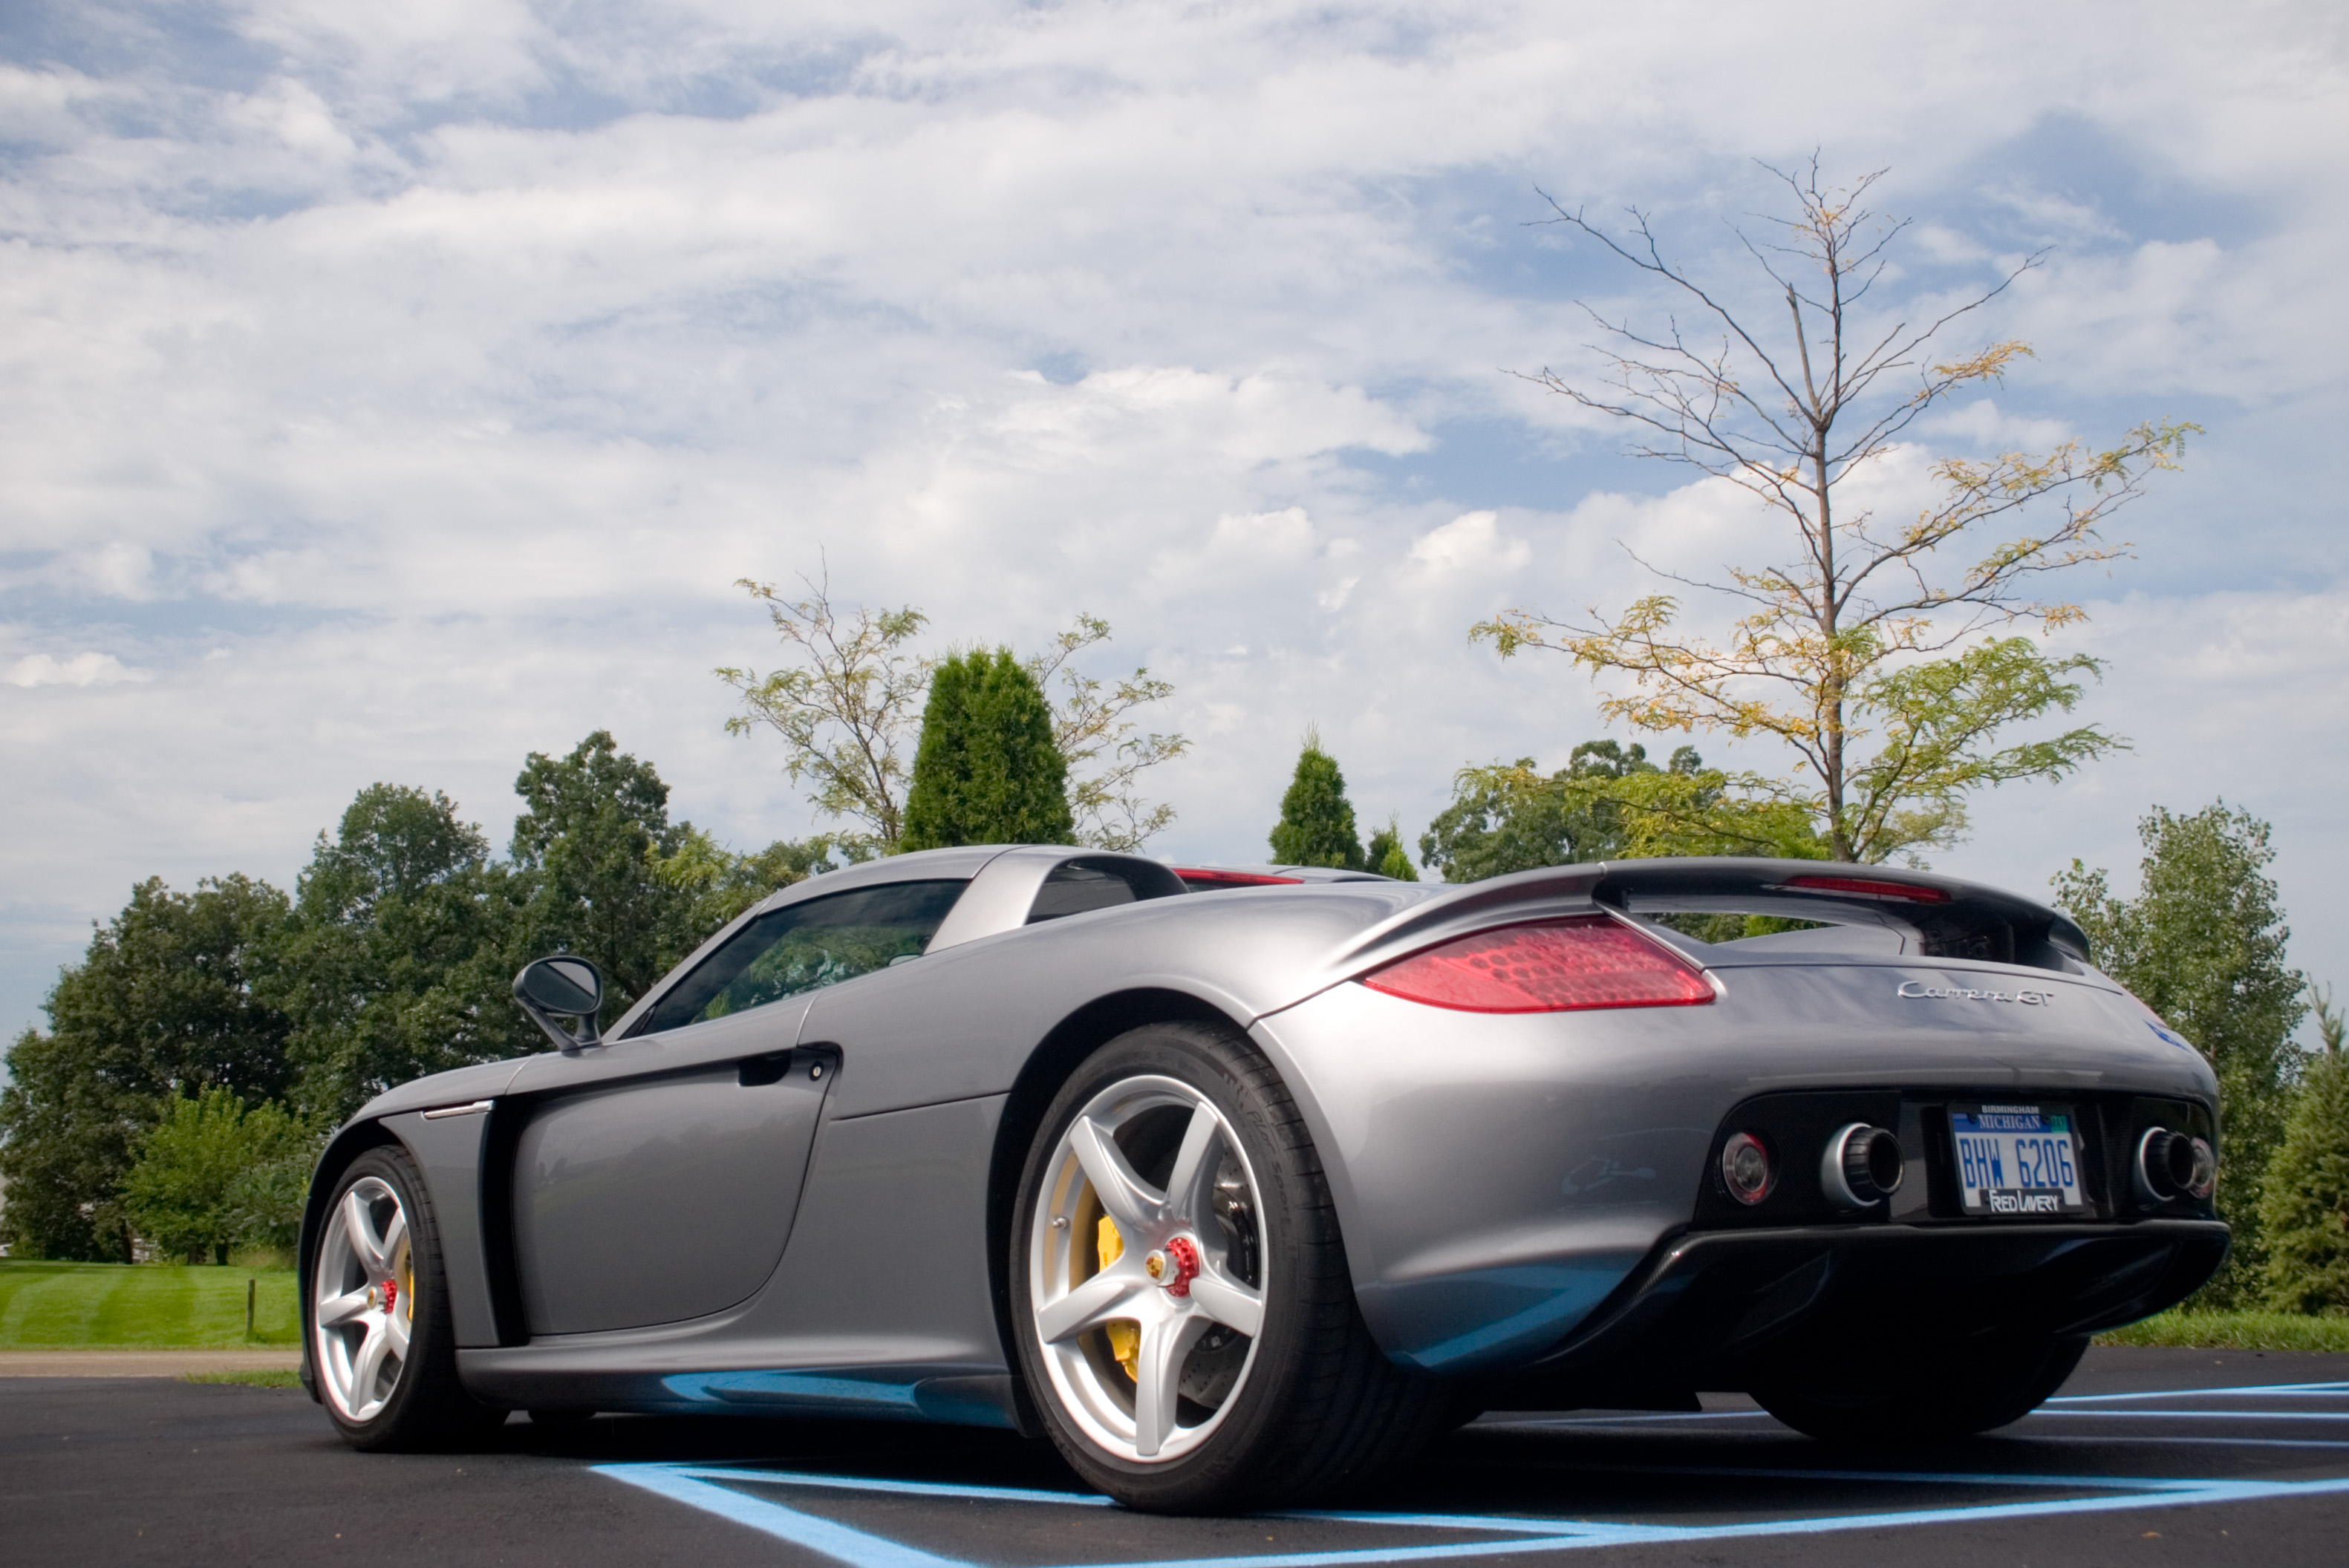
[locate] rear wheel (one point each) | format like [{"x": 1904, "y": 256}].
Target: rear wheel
[
  {"x": 1932, "y": 1399},
  {"x": 1183, "y": 1313},
  {"x": 377, "y": 1314}
]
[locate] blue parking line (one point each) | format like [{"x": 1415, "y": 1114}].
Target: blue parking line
[
  {"x": 698, "y": 1486},
  {"x": 2261, "y": 1390},
  {"x": 901, "y": 1487},
  {"x": 2042, "y": 1414},
  {"x": 859, "y": 1548}
]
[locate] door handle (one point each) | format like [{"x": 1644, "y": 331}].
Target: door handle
[{"x": 758, "y": 1071}]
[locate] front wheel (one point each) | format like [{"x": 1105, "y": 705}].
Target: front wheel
[
  {"x": 377, "y": 1313},
  {"x": 1184, "y": 1317},
  {"x": 1950, "y": 1395}
]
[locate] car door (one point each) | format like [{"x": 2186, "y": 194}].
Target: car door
[{"x": 654, "y": 1178}]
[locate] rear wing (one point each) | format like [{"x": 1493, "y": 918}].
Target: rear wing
[{"x": 1935, "y": 916}]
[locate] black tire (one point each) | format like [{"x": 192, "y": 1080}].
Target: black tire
[
  {"x": 1316, "y": 1406},
  {"x": 413, "y": 1399},
  {"x": 1937, "y": 1397}
]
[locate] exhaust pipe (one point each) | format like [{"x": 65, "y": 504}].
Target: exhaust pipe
[
  {"x": 1862, "y": 1166},
  {"x": 2171, "y": 1165}
]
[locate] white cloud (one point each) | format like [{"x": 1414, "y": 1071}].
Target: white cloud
[
  {"x": 1470, "y": 542},
  {"x": 444, "y": 369},
  {"x": 81, "y": 670}
]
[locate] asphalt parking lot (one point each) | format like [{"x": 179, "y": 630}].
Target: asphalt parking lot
[{"x": 2148, "y": 1457}]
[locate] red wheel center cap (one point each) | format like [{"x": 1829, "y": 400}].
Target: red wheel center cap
[{"x": 1184, "y": 1254}]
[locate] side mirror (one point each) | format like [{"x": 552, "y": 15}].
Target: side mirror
[{"x": 563, "y": 987}]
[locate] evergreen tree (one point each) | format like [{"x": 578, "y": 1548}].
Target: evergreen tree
[
  {"x": 2304, "y": 1207},
  {"x": 987, "y": 770},
  {"x": 2203, "y": 944},
  {"x": 163, "y": 1004},
  {"x": 1386, "y": 855},
  {"x": 1317, "y": 821}
]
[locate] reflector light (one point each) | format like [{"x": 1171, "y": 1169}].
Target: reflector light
[
  {"x": 1203, "y": 878},
  {"x": 1556, "y": 967},
  {"x": 1870, "y": 887}
]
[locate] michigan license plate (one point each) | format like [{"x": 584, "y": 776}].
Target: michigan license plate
[{"x": 2017, "y": 1159}]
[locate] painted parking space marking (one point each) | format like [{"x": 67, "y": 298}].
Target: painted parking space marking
[
  {"x": 2253, "y": 1392},
  {"x": 719, "y": 1489}
]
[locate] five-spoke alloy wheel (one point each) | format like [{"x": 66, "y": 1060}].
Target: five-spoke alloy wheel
[
  {"x": 375, "y": 1313},
  {"x": 1147, "y": 1289},
  {"x": 1185, "y": 1318},
  {"x": 362, "y": 1296}
]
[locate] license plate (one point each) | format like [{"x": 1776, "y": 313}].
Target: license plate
[{"x": 2017, "y": 1159}]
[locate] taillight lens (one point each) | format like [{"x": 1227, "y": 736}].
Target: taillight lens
[{"x": 1555, "y": 966}]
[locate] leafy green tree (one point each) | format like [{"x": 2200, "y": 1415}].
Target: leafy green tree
[
  {"x": 212, "y": 1175},
  {"x": 721, "y": 884},
  {"x": 988, "y": 770},
  {"x": 400, "y": 956},
  {"x": 588, "y": 842},
  {"x": 1609, "y": 803},
  {"x": 2305, "y": 1201},
  {"x": 1855, "y": 623},
  {"x": 163, "y": 1004},
  {"x": 844, "y": 704},
  {"x": 2203, "y": 944},
  {"x": 1317, "y": 821},
  {"x": 1385, "y": 853},
  {"x": 1106, "y": 755}
]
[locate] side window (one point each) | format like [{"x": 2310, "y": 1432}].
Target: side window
[
  {"x": 803, "y": 947},
  {"x": 1081, "y": 885}
]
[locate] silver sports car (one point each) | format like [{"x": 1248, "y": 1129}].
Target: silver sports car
[{"x": 1236, "y": 1183}]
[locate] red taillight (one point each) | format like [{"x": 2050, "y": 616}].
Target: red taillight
[
  {"x": 1870, "y": 887},
  {"x": 1202, "y": 878},
  {"x": 1556, "y": 967}
]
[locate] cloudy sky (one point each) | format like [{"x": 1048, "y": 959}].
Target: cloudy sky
[{"x": 391, "y": 392}]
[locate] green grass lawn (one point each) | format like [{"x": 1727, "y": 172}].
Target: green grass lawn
[
  {"x": 49, "y": 1307},
  {"x": 2236, "y": 1331}
]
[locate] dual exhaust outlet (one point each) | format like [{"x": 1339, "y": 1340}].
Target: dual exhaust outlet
[{"x": 1862, "y": 1166}]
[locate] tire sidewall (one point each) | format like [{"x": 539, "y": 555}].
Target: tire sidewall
[{"x": 1293, "y": 1207}]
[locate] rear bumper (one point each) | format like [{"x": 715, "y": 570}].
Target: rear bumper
[{"x": 1719, "y": 1310}]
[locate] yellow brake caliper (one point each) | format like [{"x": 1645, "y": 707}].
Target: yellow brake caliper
[{"x": 1125, "y": 1338}]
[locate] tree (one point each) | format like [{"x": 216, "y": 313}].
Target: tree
[
  {"x": 2203, "y": 944},
  {"x": 212, "y": 1175},
  {"x": 720, "y": 884},
  {"x": 1090, "y": 726},
  {"x": 595, "y": 828},
  {"x": 1609, "y": 803},
  {"x": 397, "y": 960},
  {"x": 1317, "y": 821},
  {"x": 1862, "y": 627},
  {"x": 987, "y": 771},
  {"x": 845, "y": 707},
  {"x": 1385, "y": 854},
  {"x": 850, "y": 702},
  {"x": 2304, "y": 1199},
  {"x": 163, "y": 1004}
]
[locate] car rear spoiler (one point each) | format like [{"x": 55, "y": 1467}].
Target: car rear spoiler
[{"x": 1938, "y": 916}]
